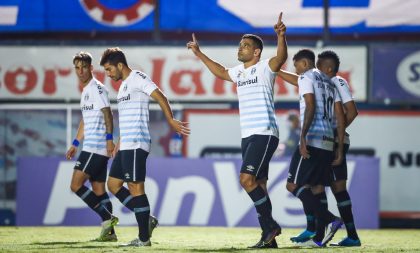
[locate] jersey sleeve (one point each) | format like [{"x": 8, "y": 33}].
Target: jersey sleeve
[
  {"x": 337, "y": 95},
  {"x": 305, "y": 85},
  {"x": 146, "y": 84},
  {"x": 267, "y": 69},
  {"x": 101, "y": 96},
  {"x": 233, "y": 73},
  {"x": 343, "y": 89}
]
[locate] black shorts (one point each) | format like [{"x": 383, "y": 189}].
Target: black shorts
[
  {"x": 257, "y": 151},
  {"x": 339, "y": 172},
  {"x": 94, "y": 165},
  {"x": 129, "y": 165},
  {"x": 315, "y": 170}
]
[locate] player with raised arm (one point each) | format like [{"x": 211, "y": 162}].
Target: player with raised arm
[
  {"x": 329, "y": 63},
  {"x": 259, "y": 131},
  {"x": 132, "y": 150},
  {"x": 311, "y": 162},
  {"x": 95, "y": 129}
]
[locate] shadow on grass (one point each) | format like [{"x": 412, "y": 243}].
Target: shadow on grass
[
  {"x": 71, "y": 245},
  {"x": 232, "y": 249},
  {"x": 192, "y": 250},
  {"x": 84, "y": 245},
  {"x": 54, "y": 243}
]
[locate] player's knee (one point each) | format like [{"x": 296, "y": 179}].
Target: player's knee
[
  {"x": 74, "y": 187},
  {"x": 112, "y": 187},
  {"x": 291, "y": 187},
  {"x": 338, "y": 186},
  {"x": 317, "y": 189},
  {"x": 136, "y": 188},
  {"x": 246, "y": 181},
  {"x": 98, "y": 188}
]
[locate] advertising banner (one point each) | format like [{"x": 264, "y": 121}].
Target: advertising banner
[
  {"x": 391, "y": 136},
  {"x": 301, "y": 16},
  {"x": 83, "y": 15},
  {"x": 200, "y": 192},
  {"x": 395, "y": 74},
  {"x": 40, "y": 73}
]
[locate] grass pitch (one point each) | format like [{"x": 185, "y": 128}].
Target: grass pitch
[{"x": 189, "y": 239}]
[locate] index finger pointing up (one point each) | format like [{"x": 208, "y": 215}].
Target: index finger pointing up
[
  {"x": 280, "y": 16},
  {"x": 193, "y": 37}
]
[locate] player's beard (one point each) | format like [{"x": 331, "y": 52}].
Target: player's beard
[
  {"x": 118, "y": 76},
  {"x": 243, "y": 58}
]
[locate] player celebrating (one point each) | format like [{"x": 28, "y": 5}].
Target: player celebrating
[
  {"x": 133, "y": 147},
  {"x": 95, "y": 129},
  {"x": 329, "y": 63},
  {"x": 255, "y": 80},
  {"x": 311, "y": 162}
]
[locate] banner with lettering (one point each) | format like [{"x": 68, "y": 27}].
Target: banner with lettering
[
  {"x": 395, "y": 74},
  {"x": 182, "y": 192},
  {"x": 47, "y": 73},
  {"x": 228, "y": 16}
]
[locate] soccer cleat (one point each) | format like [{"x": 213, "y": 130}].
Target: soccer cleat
[
  {"x": 153, "y": 223},
  {"x": 269, "y": 235},
  {"x": 262, "y": 245},
  {"x": 107, "y": 238},
  {"x": 137, "y": 243},
  {"x": 332, "y": 228},
  {"x": 303, "y": 237},
  {"x": 347, "y": 242},
  {"x": 107, "y": 227},
  {"x": 311, "y": 243}
]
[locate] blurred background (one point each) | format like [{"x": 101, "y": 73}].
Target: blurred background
[{"x": 192, "y": 181}]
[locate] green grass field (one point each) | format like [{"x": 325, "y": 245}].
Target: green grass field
[{"x": 188, "y": 239}]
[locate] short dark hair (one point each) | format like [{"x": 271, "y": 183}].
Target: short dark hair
[
  {"x": 331, "y": 55},
  {"x": 83, "y": 57},
  {"x": 305, "y": 54},
  {"x": 113, "y": 56},
  {"x": 258, "y": 42}
]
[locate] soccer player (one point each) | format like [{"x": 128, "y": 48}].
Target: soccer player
[
  {"x": 329, "y": 63},
  {"x": 95, "y": 129},
  {"x": 312, "y": 160},
  {"x": 133, "y": 147},
  {"x": 259, "y": 130}
]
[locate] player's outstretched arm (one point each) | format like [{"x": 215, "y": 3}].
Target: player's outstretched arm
[
  {"x": 79, "y": 137},
  {"x": 339, "y": 114},
  {"x": 214, "y": 67},
  {"x": 178, "y": 126},
  {"x": 277, "y": 61},
  {"x": 289, "y": 77}
]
